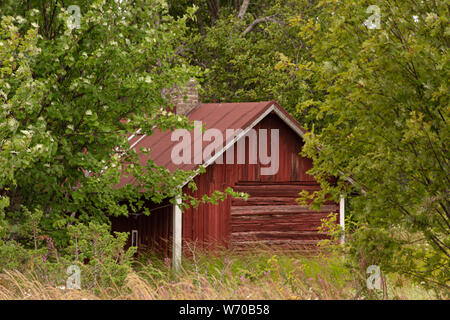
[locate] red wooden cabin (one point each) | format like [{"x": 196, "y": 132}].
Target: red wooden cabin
[{"x": 271, "y": 214}]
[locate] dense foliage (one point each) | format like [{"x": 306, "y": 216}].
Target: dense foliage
[
  {"x": 244, "y": 52},
  {"x": 69, "y": 95},
  {"x": 384, "y": 113}
]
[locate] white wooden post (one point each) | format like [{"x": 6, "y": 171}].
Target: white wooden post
[
  {"x": 177, "y": 234},
  {"x": 342, "y": 216}
]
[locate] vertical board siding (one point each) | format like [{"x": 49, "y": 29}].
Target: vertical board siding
[{"x": 154, "y": 230}]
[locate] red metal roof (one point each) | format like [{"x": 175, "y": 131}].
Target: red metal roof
[{"x": 220, "y": 116}]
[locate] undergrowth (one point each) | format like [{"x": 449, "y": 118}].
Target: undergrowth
[{"x": 222, "y": 274}]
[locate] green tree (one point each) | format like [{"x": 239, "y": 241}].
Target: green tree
[
  {"x": 239, "y": 45},
  {"x": 384, "y": 110},
  {"x": 69, "y": 94},
  {"x": 103, "y": 260}
]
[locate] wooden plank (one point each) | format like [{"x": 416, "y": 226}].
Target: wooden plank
[
  {"x": 287, "y": 209},
  {"x": 242, "y": 183},
  {"x": 261, "y": 201},
  {"x": 276, "y": 235},
  {"x": 291, "y": 191},
  {"x": 279, "y": 218},
  {"x": 275, "y": 227}
]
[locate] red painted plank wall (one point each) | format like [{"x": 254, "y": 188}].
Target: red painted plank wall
[
  {"x": 154, "y": 231},
  {"x": 271, "y": 214}
]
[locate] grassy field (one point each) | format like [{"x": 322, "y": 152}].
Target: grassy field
[{"x": 259, "y": 274}]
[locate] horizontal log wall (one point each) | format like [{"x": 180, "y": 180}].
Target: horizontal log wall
[{"x": 273, "y": 217}]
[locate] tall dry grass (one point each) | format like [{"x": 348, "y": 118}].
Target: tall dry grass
[{"x": 263, "y": 274}]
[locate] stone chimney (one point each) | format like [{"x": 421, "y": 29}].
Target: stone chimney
[{"x": 184, "y": 99}]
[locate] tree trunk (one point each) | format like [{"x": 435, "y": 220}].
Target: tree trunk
[
  {"x": 243, "y": 9},
  {"x": 213, "y": 8}
]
